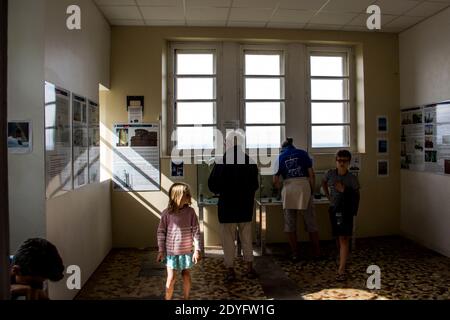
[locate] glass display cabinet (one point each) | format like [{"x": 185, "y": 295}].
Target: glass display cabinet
[
  {"x": 267, "y": 193},
  {"x": 204, "y": 196}
]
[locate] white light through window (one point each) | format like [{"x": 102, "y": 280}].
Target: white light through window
[
  {"x": 329, "y": 101},
  {"x": 264, "y": 98},
  {"x": 195, "y": 98}
]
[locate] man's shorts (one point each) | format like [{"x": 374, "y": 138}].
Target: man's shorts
[{"x": 309, "y": 219}]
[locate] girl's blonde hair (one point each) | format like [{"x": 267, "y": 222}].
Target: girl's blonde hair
[{"x": 176, "y": 193}]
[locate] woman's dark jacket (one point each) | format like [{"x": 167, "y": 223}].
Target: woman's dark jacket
[{"x": 236, "y": 185}]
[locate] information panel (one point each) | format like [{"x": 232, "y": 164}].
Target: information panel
[
  {"x": 136, "y": 159},
  {"x": 425, "y": 138},
  {"x": 58, "y": 147},
  {"x": 94, "y": 142},
  {"x": 80, "y": 141}
]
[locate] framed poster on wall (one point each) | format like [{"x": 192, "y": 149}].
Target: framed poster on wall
[
  {"x": 58, "y": 144},
  {"x": 425, "y": 138},
  {"x": 20, "y": 137},
  {"x": 136, "y": 158},
  {"x": 382, "y": 146},
  {"x": 382, "y": 124},
  {"x": 80, "y": 140},
  {"x": 383, "y": 168},
  {"x": 94, "y": 142}
]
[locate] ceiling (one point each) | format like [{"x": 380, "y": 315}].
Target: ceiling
[{"x": 346, "y": 15}]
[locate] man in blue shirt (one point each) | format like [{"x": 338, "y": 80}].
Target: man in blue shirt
[{"x": 295, "y": 167}]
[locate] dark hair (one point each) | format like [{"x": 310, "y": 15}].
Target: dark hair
[
  {"x": 344, "y": 154},
  {"x": 39, "y": 257},
  {"x": 287, "y": 143}
]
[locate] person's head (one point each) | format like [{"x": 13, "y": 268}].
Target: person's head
[
  {"x": 343, "y": 158},
  {"x": 235, "y": 138},
  {"x": 36, "y": 261},
  {"x": 289, "y": 142},
  {"x": 179, "y": 196}
]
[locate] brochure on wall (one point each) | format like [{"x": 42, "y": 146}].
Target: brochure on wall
[
  {"x": 136, "y": 159},
  {"x": 94, "y": 142},
  {"x": 425, "y": 140},
  {"x": 80, "y": 141},
  {"x": 134, "y": 114},
  {"x": 58, "y": 147},
  {"x": 355, "y": 163}
]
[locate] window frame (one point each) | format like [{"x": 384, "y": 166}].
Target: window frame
[
  {"x": 263, "y": 49},
  {"x": 349, "y": 86},
  {"x": 194, "y": 47}
]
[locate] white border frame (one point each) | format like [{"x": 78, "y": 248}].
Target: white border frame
[
  {"x": 171, "y": 161},
  {"x": 378, "y": 168},
  {"x": 74, "y": 175},
  {"x": 12, "y": 150},
  {"x": 387, "y": 146},
  {"x": 387, "y": 124}
]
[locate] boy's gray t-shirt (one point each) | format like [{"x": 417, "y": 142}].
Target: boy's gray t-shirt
[{"x": 348, "y": 180}]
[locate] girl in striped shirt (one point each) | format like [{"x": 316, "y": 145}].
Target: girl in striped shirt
[{"x": 177, "y": 230}]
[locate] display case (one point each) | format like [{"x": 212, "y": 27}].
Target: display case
[
  {"x": 204, "y": 195},
  {"x": 267, "y": 193}
]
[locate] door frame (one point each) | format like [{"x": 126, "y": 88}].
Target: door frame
[{"x": 4, "y": 212}]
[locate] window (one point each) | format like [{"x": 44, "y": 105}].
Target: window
[
  {"x": 203, "y": 95},
  {"x": 194, "y": 98},
  {"x": 330, "y": 103},
  {"x": 263, "y": 98}
]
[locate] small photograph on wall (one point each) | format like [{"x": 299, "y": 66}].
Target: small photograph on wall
[
  {"x": 429, "y": 143},
  {"x": 417, "y": 117},
  {"x": 382, "y": 146},
  {"x": 431, "y": 156},
  {"x": 383, "y": 168},
  {"x": 382, "y": 124},
  {"x": 355, "y": 163},
  {"x": 19, "y": 137},
  {"x": 177, "y": 169},
  {"x": 429, "y": 130}
]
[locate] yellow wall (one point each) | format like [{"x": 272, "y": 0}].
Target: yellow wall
[{"x": 137, "y": 65}]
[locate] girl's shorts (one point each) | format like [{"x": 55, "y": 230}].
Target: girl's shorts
[{"x": 179, "y": 262}]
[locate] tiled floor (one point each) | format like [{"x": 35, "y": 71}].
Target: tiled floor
[{"x": 408, "y": 271}]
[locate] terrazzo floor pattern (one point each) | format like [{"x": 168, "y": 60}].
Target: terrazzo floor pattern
[{"x": 408, "y": 271}]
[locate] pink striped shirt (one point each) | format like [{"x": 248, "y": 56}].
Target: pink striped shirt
[{"x": 177, "y": 231}]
